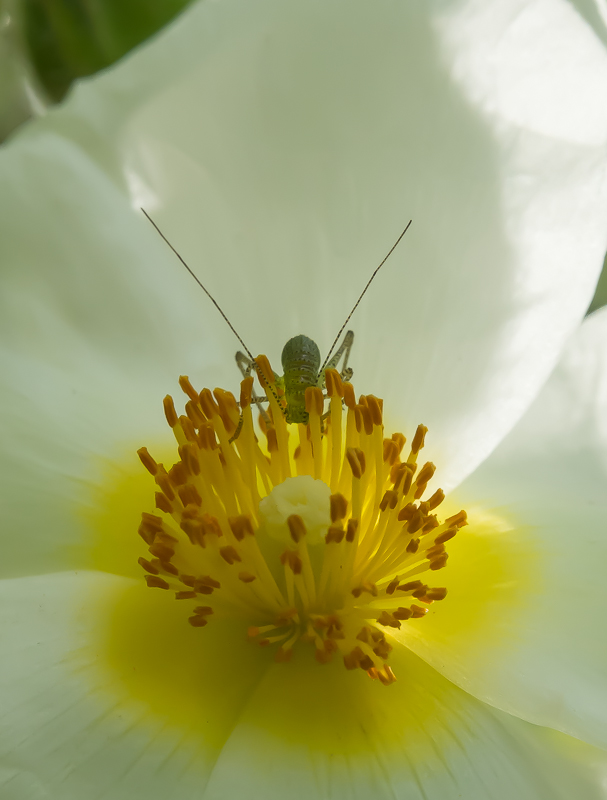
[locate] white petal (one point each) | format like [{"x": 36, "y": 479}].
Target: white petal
[
  {"x": 69, "y": 727},
  {"x": 284, "y": 146},
  {"x": 82, "y": 719},
  {"x": 524, "y": 621}
]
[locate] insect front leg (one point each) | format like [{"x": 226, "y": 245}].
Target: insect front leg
[
  {"x": 246, "y": 366},
  {"x": 343, "y": 349}
]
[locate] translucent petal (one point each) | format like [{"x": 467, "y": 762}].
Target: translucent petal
[
  {"x": 105, "y": 695},
  {"x": 524, "y": 622},
  {"x": 282, "y": 146}
]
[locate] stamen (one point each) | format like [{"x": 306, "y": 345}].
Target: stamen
[{"x": 356, "y": 536}]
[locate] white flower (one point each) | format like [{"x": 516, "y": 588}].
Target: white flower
[{"x": 282, "y": 147}]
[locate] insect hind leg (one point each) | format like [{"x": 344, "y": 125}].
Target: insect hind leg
[{"x": 343, "y": 349}]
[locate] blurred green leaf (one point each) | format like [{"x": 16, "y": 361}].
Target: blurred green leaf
[{"x": 68, "y": 39}]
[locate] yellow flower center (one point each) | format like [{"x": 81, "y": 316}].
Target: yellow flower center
[{"x": 318, "y": 535}]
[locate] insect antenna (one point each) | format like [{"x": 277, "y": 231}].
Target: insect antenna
[
  {"x": 375, "y": 271},
  {"x": 204, "y": 289},
  {"x": 260, "y": 374}
]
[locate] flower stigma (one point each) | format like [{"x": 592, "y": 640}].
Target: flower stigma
[{"x": 310, "y": 533}]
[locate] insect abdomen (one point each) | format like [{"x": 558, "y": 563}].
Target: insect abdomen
[{"x": 301, "y": 363}]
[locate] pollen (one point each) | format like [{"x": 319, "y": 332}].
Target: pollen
[{"x": 315, "y": 535}]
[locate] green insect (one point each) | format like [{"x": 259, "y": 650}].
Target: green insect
[
  {"x": 301, "y": 365},
  {"x": 301, "y": 359}
]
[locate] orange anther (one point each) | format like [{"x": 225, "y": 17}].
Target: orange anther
[
  {"x": 349, "y": 396},
  {"x": 246, "y": 391},
  {"x": 335, "y": 533},
  {"x": 354, "y": 463},
  {"x": 163, "y": 503},
  {"x": 297, "y": 527},
  {"x": 374, "y": 404},
  {"x": 436, "y": 499},
  {"x": 148, "y": 567},
  {"x": 208, "y": 404},
  {"x": 197, "y": 621},
  {"x": 457, "y": 520},
  {"x": 187, "y": 387},
  {"x": 338, "y": 507},
  {"x": 194, "y": 413},
  {"x": 314, "y": 400},
  {"x": 335, "y": 387},
  {"x": 445, "y": 536},
  {"x": 147, "y": 460},
  {"x": 169, "y": 410},
  {"x": 156, "y": 582},
  {"x": 418, "y": 439},
  {"x": 203, "y": 610},
  {"x": 188, "y": 428},
  {"x": 264, "y": 371},
  {"x": 241, "y": 526},
  {"x": 351, "y": 529}
]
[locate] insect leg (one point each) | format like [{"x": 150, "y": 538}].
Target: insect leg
[
  {"x": 344, "y": 348},
  {"x": 245, "y": 365}
]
